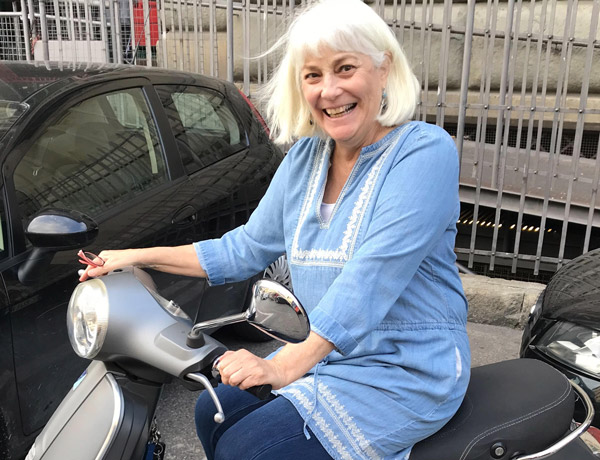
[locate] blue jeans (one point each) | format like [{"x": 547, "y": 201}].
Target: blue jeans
[{"x": 254, "y": 429}]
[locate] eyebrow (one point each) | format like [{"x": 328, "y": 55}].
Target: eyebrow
[{"x": 336, "y": 62}]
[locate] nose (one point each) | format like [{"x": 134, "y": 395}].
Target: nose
[{"x": 331, "y": 86}]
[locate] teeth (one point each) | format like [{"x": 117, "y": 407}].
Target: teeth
[{"x": 338, "y": 111}]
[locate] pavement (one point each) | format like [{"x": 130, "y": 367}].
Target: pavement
[{"x": 175, "y": 413}]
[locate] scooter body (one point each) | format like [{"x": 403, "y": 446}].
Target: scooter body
[{"x": 515, "y": 410}]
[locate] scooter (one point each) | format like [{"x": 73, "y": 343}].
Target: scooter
[{"x": 138, "y": 340}]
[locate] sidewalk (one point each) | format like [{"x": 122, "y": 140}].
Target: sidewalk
[{"x": 499, "y": 302}]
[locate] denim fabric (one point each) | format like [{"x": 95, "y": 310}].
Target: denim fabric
[
  {"x": 280, "y": 435},
  {"x": 379, "y": 282}
]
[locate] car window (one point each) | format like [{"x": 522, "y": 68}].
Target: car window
[
  {"x": 97, "y": 154},
  {"x": 204, "y": 125}
]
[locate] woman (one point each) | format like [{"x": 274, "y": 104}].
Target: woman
[{"x": 365, "y": 206}]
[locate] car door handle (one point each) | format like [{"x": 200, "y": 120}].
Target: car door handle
[{"x": 185, "y": 215}]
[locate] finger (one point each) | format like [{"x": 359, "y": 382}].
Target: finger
[{"x": 85, "y": 275}]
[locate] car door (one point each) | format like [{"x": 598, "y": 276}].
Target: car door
[
  {"x": 101, "y": 152},
  {"x": 228, "y": 172}
]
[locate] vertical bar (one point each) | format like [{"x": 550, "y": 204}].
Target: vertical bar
[
  {"x": 196, "y": 38},
  {"x": 230, "y": 40},
  {"x": 44, "y": 27},
  {"x": 556, "y": 126},
  {"x": 202, "y": 41},
  {"x": 213, "y": 40},
  {"x": 580, "y": 117},
  {"x": 531, "y": 120},
  {"x": 181, "y": 41},
  {"x": 188, "y": 48},
  {"x": 79, "y": 27},
  {"x": 442, "y": 72},
  {"x": 426, "y": 33},
  {"x": 71, "y": 29},
  {"x": 113, "y": 30},
  {"x": 31, "y": 9},
  {"x": 104, "y": 29},
  {"x": 131, "y": 48},
  {"x": 246, "y": 35},
  {"x": 58, "y": 30},
  {"x": 488, "y": 45},
  {"x": 88, "y": 30},
  {"x": 464, "y": 80},
  {"x": 146, "y": 9},
  {"x": 163, "y": 27},
  {"x": 26, "y": 30},
  {"x": 118, "y": 37}
]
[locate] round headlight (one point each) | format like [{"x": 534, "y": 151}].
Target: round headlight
[{"x": 87, "y": 318}]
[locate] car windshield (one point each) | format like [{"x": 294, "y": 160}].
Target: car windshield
[{"x": 9, "y": 113}]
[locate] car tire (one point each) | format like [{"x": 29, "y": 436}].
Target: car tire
[{"x": 278, "y": 271}]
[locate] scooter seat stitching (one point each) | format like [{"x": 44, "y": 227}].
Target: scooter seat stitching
[{"x": 517, "y": 420}]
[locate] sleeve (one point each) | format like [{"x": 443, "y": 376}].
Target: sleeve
[
  {"x": 416, "y": 205},
  {"x": 247, "y": 249}
]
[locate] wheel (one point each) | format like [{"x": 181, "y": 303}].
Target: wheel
[{"x": 278, "y": 271}]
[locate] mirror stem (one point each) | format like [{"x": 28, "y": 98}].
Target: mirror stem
[{"x": 219, "y": 322}]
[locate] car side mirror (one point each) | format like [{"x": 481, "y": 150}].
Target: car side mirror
[{"x": 50, "y": 231}]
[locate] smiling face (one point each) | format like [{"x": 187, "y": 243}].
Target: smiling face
[{"x": 344, "y": 90}]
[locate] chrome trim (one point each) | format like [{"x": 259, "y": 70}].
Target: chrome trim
[
  {"x": 573, "y": 434},
  {"x": 117, "y": 417}
]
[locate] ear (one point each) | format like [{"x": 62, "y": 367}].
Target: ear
[{"x": 384, "y": 68}]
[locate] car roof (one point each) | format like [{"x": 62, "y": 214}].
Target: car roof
[{"x": 20, "y": 80}]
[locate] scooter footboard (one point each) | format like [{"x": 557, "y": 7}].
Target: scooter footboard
[{"x": 87, "y": 423}]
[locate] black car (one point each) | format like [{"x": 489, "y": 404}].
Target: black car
[
  {"x": 154, "y": 157},
  {"x": 564, "y": 326}
]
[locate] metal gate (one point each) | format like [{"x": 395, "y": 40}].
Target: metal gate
[{"x": 516, "y": 82}]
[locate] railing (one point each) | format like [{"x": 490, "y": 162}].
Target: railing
[{"x": 516, "y": 82}]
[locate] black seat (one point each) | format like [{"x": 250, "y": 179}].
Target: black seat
[{"x": 523, "y": 405}]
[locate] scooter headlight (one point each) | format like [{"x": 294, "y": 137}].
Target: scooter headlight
[
  {"x": 574, "y": 345},
  {"x": 87, "y": 318}
]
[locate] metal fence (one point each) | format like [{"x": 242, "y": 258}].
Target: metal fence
[{"x": 516, "y": 82}]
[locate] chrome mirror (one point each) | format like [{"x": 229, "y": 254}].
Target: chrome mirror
[
  {"x": 273, "y": 309},
  {"x": 277, "y": 312}
]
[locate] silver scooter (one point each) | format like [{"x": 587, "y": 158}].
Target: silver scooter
[
  {"x": 514, "y": 410},
  {"x": 139, "y": 341}
]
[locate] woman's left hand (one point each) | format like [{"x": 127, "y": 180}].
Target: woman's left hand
[{"x": 244, "y": 370}]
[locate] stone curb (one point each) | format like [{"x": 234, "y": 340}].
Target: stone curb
[{"x": 498, "y": 301}]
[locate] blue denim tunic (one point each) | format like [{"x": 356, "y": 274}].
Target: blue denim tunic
[{"x": 379, "y": 282}]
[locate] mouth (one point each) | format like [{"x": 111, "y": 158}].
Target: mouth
[{"x": 339, "y": 111}]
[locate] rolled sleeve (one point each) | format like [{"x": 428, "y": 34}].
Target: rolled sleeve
[
  {"x": 322, "y": 323},
  {"x": 206, "y": 253}
]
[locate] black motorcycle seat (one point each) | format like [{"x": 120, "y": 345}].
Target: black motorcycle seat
[{"x": 522, "y": 406}]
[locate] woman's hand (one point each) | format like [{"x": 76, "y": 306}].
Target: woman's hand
[
  {"x": 113, "y": 260},
  {"x": 244, "y": 370}
]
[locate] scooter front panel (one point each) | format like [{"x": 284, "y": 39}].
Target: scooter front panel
[{"x": 87, "y": 421}]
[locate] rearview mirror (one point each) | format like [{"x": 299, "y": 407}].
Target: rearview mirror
[
  {"x": 50, "y": 231},
  {"x": 273, "y": 309},
  {"x": 277, "y": 312}
]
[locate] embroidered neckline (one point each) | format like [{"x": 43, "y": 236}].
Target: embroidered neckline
[{"x": 338, "y": 257}]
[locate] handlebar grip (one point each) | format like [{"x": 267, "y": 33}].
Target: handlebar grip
[{"x": 260, "y": 391}]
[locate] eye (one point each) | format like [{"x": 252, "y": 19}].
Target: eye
[
  {"x": 311, "y": 75},
  {"x": 346, "y": 68}
]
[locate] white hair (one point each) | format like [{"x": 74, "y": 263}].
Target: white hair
[{"x": 341, "y": 25}]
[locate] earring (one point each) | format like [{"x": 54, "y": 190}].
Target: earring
[
  {"x": 310, "y": 121},
  {"x": 383, "y": 105}
]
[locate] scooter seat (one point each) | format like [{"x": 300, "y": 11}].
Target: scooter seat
[{"x": 521, "y": 406}]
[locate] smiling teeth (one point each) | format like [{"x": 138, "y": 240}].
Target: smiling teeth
[{"x": 339, "y": 110}]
